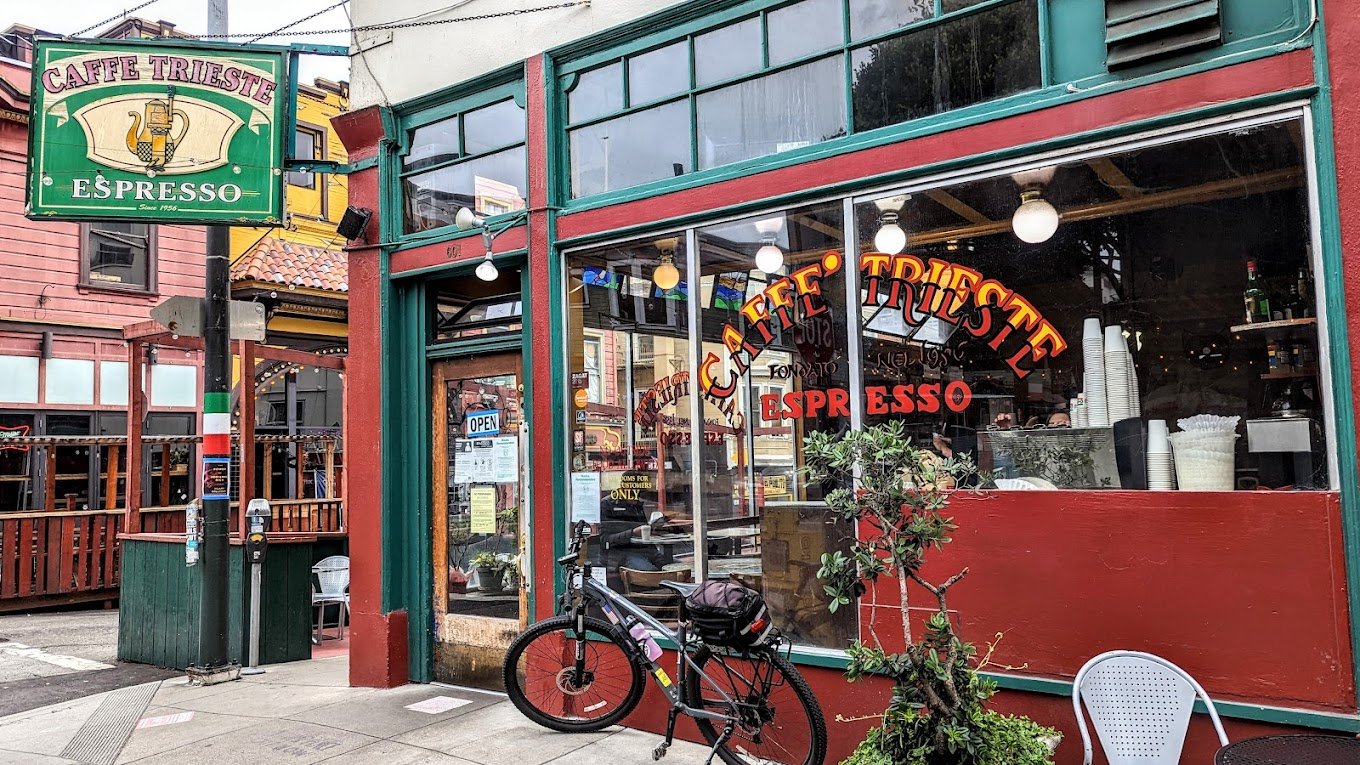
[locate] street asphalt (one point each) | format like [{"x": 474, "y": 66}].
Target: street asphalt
[
  {"x": 304, "y": 713},
  {"x": 51, "y": 657}
]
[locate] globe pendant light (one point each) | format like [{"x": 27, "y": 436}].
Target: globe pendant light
[
  {"x": 890, "y": 239},
  {"x": 666, "y": 276},
  {"x": 769, "y": 258},
  {"x": 1035, "y": 220}
]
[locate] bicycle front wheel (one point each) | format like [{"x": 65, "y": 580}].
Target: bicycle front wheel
[
  {"x": 544, "y": 681},
  {"x": 778, "y": 720}
]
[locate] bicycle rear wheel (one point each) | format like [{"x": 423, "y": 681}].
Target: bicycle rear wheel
[
  {"x": 779, "y": 720},
  {"x": 542, "y": 681}
]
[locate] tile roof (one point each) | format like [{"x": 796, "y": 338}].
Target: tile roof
[{"x": 278, "y": 261}]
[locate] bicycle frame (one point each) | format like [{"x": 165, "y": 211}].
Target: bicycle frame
[{"x": 612, "y": 603}]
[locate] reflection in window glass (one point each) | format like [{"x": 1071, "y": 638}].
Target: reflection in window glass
[
  {"x": 979, "y": 57},
  {"x": 597, "y": 92},
  {"x": 660, "y": 73},
  {"x": 625, "y": 151},
  {"x": 804, "y": 28},
  {"x": 956, "y": 5},
  {"x": 432, "y": 145},
  {"x": 782, "y": 111},
  {"x": 874, "y": 17},
  {"x": 1170, "y": 279},
  {"x": 492, "y": 127},
  {"x": 728, "y": 52},
  {"x": 490, "y": 185},
  {"x": 632, "y": 447}
]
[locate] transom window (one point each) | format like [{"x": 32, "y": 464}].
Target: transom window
[
  {"x": 788, "y": 77},
  {"x": 473, "y": 159}
]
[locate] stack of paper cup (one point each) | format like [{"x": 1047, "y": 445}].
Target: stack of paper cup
[
  {"x": 1135, "y": 400},
  {"x": 1116, "y": 374},
  {"x": 1160, "y": 473},
  {"x": 1093, "y": 359}
]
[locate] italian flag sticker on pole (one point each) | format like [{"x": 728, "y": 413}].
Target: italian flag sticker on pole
[{"x": 216, "y": 446}]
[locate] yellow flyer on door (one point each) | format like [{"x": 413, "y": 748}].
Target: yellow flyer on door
[{"x": 483, "y": 510}]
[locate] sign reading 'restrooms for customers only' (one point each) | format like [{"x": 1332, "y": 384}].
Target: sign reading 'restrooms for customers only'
[{"x": 183, "y": 133}]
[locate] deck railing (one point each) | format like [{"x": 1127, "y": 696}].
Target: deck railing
[{"x": 58, "y": 557}]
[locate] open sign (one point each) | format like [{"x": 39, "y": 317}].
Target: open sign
[{"x": 484, "y": 423}]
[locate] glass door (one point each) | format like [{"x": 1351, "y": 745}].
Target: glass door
[{"x": 480, "y": 600}]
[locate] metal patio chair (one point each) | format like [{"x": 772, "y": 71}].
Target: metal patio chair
[
  {"x": 330, "y": 586},
  {"x": 1140, "y": 705}
]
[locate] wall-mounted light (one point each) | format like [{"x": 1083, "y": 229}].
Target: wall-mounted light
[
  {"x": 665, "y": 276},
  {"x": 769, "y": 258},
  {"x": 487, "y": 271},
  {"x": 1035, "y": 220},
  {"x": 890, "y": 239},
  {"x": 466, "y": 218}
]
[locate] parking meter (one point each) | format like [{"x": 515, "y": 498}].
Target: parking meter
[{"x": 257, "y": 541}]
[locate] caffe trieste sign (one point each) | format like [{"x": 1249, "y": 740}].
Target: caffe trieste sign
[{"x": 128, "y": 130}]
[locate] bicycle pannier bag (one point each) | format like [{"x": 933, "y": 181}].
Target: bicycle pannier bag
[{"x": 726, "y": 613}]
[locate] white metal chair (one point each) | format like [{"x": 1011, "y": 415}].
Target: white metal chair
[
  {"x": 1140, "y": 705},
  {"x": 330, "y": 586}
]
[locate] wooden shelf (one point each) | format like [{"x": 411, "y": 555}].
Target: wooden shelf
[
  {"x": 1289, "y": 375},
  {"x": 1282, "y": 324}
]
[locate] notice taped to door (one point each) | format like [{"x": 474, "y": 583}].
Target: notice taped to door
[{"x": 483, "y": 506}]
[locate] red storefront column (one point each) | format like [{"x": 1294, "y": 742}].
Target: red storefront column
[
  {"x": 378, "y": 642},
  {"x": 1343, "y": 62}
]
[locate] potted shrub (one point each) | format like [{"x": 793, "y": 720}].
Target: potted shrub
[
  {"x": 511, "y": 563},
  {"x": 936, "y": 715},
  {"x": 490, "y": 571}
]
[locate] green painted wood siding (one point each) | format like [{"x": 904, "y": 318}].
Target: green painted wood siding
[{"x": 158, "y": 607}]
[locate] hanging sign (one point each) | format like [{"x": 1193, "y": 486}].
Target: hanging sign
[
  {"x": 482, "y": 424},
  {"x": 180, "y": 133}
]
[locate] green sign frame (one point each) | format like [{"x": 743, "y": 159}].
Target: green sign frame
[{"x": 157, "y": 132}]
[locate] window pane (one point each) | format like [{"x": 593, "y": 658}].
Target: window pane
[
  {"x": 872, "y": 17},
  {"x": 728, "y": 52},
  {"x": 16, "y": 463},
  {"x": 118, "y": 253},
  {"x": 774, "y": 113},
  {"x": 984, "y": 341},
  {"x": 973, "y": 59},
  {"x": 956, "y": 5},
  {"x": 763, "y": 521},
  {"x": 492, "y": 127},
  {"x": 432, "y": 144},
  {"x": 304, "y": 147},
  {"x": 804, "y": 28},
  {"x": 640, "y": 147},
  {"x": 597, "y": 92},
  {"x": 490, "y": 185},
  {"x": 70, "y": 381},
  {"x": 631, "y": 458},
  {"x": 660, "y": 73}
]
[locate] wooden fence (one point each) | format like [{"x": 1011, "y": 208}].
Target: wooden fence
[
  {"x": 56, "y": 558},
  {"x": 320, "y": 517}
]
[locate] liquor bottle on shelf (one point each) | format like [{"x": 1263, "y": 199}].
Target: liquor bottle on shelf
[
  {"x": 1255, "y": 297},
  {"x": 1295, "y": 307},
  {"x": 1304, "y": 286},
  {"x": 1276, "y": 357}
]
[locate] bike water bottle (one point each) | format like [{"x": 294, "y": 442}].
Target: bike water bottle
[{"x": 644, "y": 638}]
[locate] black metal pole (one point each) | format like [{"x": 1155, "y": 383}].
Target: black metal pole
[{"x": 213, "y": 597}]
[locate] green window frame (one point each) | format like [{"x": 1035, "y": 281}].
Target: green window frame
[
  {"x": 576, "y": 72},
  {"x": 453, "y": 111}
]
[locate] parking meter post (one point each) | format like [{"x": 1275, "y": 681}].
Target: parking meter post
[{"x": 257, "y": 542}]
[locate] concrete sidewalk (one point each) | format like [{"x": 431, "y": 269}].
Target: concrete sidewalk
[{"x": 305, "y": 712}]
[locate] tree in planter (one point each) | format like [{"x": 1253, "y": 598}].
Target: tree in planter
[{"x": 936, "y": 714}]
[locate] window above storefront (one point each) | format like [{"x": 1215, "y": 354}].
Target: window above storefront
[
  {"x": 792, "y": 76},
  {"x": 467, "y": 154}
]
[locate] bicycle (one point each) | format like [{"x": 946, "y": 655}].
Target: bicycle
[{"x": 576, "y": 673}]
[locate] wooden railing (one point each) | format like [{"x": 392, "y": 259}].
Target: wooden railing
[
  {"x": 289, "y": 516},
  {"x": 61, "y": 557}
]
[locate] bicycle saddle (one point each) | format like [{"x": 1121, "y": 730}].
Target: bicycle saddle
[{"x": 683, "y": 588}]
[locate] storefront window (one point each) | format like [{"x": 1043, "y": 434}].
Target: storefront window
[
  {"x": 640, "y": 459},
  {"x": 626, "y": 151},
  {"x": 475, "y": 160},
  {"x": 1178, "y": 282}
]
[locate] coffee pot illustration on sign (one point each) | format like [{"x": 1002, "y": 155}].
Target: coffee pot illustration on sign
[{"x": 149, "y": 135}]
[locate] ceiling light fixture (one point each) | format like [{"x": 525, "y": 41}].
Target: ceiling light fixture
[
  {"x": 890, "y": 239},
  {"x": 666, "y": 276},
  {"x": 769, "y": 258},
  {"x": 1035, "y": 220}
]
